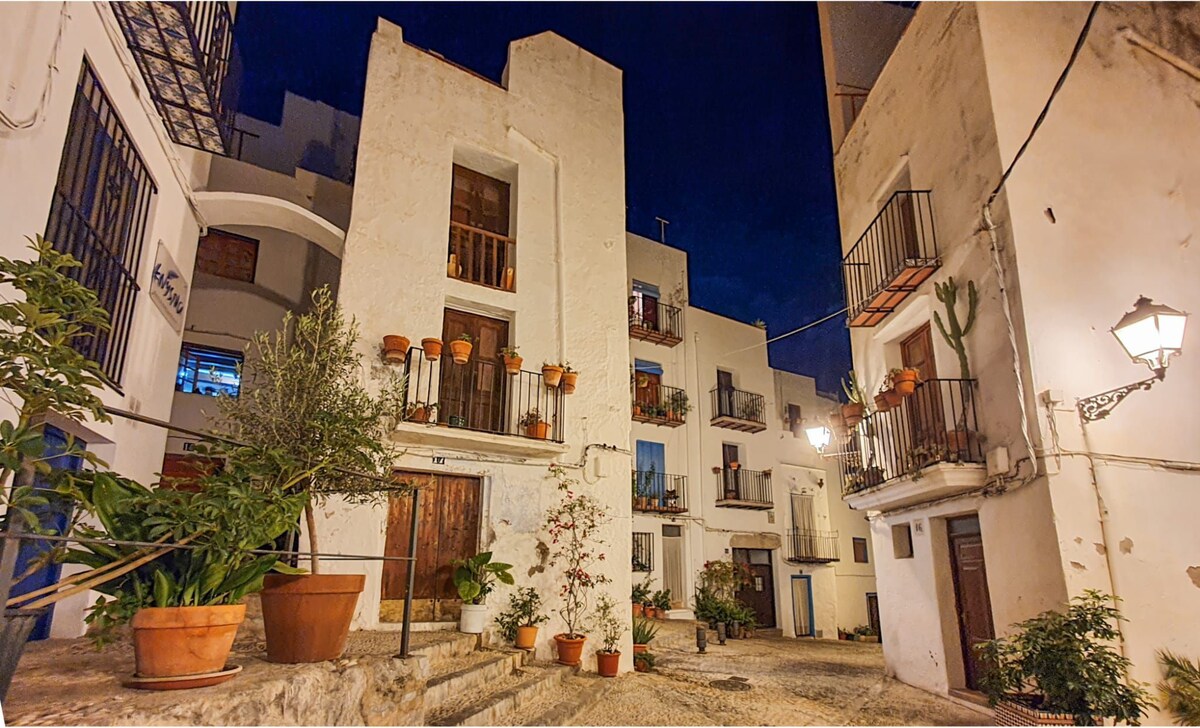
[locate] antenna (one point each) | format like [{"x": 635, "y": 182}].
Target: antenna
[{"x": 662, "y": 229}]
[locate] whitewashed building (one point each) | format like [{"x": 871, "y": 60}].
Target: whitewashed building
[{"x": 1004, "y": 490}]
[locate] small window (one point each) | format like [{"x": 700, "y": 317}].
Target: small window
[
  {"x": 207, "y": 371},
  {"x": 227, "y": 255},
  {"x": 901, "y": 541},
  {"x": 672, "y": 531},
  {"x": 643, "y": 551},
  {"x": 795, "y": 420},
  {"x": 860, "y": 550}
]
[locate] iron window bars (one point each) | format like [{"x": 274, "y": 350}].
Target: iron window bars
[{"x": 643, "y": 551}]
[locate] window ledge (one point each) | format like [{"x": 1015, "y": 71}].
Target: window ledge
[
  {"x": 931, "y": 483},
  {"x": 454, "y": 438}
]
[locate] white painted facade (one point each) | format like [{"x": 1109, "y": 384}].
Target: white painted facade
[{"x": 1100, "y": 209}]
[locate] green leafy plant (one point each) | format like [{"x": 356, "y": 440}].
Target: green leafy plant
[
  {"x": 644, "y": 631},
  {"x": 476, "y": 577},
  {"x": 662, "y": 599},
  {"x": 644, "y": 660},
  {"x": 1067, "y": 659},
  {"x": 303, "y": 396},
  {"x": 952, "y": 331},
  {"x": 508, "y": 352},
  {"x": 610, "y": 626},
  {"x": 524, "y": 610},
  {"x": 464, "y": 337},
  {"x": 1180, "y": 687},
  {"x": 574, "y": 525},
  {"x": 530, "y": 418},
  {"x": 640, "y": 591}
]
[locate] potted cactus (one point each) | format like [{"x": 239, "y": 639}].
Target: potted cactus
[
  {"x": 954, "y": 333},
  {"x": 856, "y": 401}
]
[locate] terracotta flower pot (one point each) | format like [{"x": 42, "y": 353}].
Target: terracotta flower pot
[
  {"x": 638, "y": 611},
  {"x": 639, "y": 649},
  {"x": 607, "y": 663},
  {"x": 432, "y": 348},
  {"x": 569, "y": 379},
  {"x": 395, "y": 349},
  {"x": 570, "y": 649},
  {"x": 552, "y": 374},
  {"x": 905, "y": 382},
  {"x": 461, "y": 351},
  {"x": 893, "y": 398},
  {"x": 882, "y": 403},
  {"x": 512, "y": 364},
  {"x": 307, "y": 617},
  {"x": 538, "y": 430},
  {"x": 526, "y": 638},
  {"x": 650, "y": 612},
  {"x": 176, "y": 641},
  {"x": 641, "y": 666},
  {"x": 852, "y": 413}
]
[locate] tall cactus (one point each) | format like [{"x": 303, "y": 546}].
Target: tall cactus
[{"x": 947, "y": 293}]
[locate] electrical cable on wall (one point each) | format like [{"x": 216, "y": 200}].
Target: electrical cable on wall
[{"x": 805, "y": 327}]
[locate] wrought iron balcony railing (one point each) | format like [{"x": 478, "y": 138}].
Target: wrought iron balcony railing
[
  {"x": 937, "y": 423},
  {"x": 482, "y": 396},
  {"x": 654, "y": 321},
  {"x": 812, "y": 547},
  {"x": 741, "y": 488},
  {"x": 186, "y": 54},
  {"x": 658, "y": 404},
  {"x": 897, "y": 253},
  {"x": 655, "y": 492},
  {"x": 734, "y": 409},
  {"x": 482, "y": 257}
]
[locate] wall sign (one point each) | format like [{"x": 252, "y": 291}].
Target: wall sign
[{"x": 168, "y": 288}]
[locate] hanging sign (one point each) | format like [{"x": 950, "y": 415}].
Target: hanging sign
[{"x": 168, "y": 288}]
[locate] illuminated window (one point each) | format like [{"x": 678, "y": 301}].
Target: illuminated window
[{"x": 207, "y": 371}]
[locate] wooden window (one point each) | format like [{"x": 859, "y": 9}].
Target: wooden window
[
  {"x": 795, "y": 420},
  {"x": 902, "y": 541},
  {"x": 643, "y": 551},
  {"x": 479, "y": 201},
  {"x": 227, "y": 255},
  {"x": 860, "y": 550}
]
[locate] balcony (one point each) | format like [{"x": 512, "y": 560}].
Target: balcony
[
  {"x": 186, "y": 55},
  {"x": 896, "y": 254},
  {"x": 658, "y": 404},
  {"x": 746, "y": 489},
  {"x": 925, "y": 448},
  {"x": 482, "y": 257},
  {"x": 655, "y": 492},
  {"x": 812, "y": 547},
  {"x": 480, "y": 397},
  {"x": 654, "y": 321},
  {"x": 734, "y": 409}
]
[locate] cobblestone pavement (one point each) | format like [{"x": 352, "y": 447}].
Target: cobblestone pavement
[{"x": 791, "y": 682}]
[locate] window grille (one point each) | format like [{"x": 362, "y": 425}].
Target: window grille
[{"x": 643, "y": 551}]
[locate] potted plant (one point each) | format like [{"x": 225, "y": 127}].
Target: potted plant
[
  {"x": 395, "y": 348},
  {"x": 856, "y": 401},
  {"x": 309, "y": 405},
  {"x": 570, "y": 378},
  {"x": 534, "y": 425},
  {"x": 887, "y": 398},
  {"x": 611, "y": 628},
  {"x": 512, "y": 361},
  {"x": 864, "y": 633},
  {"x": 474, "y": 578},
  {"x": 904, "y": 380},
  {"x": 432, "y": 347},
  {"x": 460, "y": 349},
  {"x": 671, "y": 501},
  {"x": 958, "y": 440},
  {"x": 1060, "y": 668},
  {"x": 662, "y": 601},
  {"x": 519, "y": 623},
  {"x": 551, "y": 374},
  {"x": 1180, "y": 687},
  {"x": 419, "y": 412},
  {"x": 644, "y": 632},
  {"x": 574, "y": 525},
  {"x": 637, "y": 596},
  {"x": 643, "y": 661}
]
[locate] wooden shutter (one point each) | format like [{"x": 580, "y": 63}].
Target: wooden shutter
[{"x": 479, "y": 201}]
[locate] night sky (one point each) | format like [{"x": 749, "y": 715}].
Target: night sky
[{"x": 726, "y": 131}]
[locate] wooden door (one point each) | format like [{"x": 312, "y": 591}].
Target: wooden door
[
  {"x": 673, "y": 563},
  {"x": 759, "y": 595},
  {"x": 447, "y": 529},
  {"x": 873, "y": 614},
  {"x": 730, "y": 475},
  {"x": 802, "y": 605},
  {"x": 926, "y": 419},
  {"x": 970, "y": 592},
  {"x": 648, "y": 384},
  {"x": 725, "y": 394},
  {"x": 473, "y": 393}
]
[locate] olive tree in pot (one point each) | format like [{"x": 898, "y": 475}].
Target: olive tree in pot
[
  {"x": 474, "y": 578},
  {"x": 1060, "y": 668},
  {"x": 574, "y": 525},
  {"x": 303, "y": 396},
  {"x": 611, "y": 629}
]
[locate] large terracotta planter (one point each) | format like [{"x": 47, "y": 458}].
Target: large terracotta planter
[
  {"x": 552, "y": 374},
  {"x": 570, "y": 650},
  {"x": 395, "y": 349},
  {"x": 526, "y": 638},
  {"x": 432, "y": 348},
  {"x": 608, "y": 663},
  {"x": 569, "y": 379},
  {"x": 178, "y": 641},
  {"x": 460, "y": 349},
  {"x": 307, "y": 617}
]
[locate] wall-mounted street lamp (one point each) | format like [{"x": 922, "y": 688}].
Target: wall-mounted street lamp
[
  {"x": 1150, "y": 333},
  {"x": 819, "y": 437}
]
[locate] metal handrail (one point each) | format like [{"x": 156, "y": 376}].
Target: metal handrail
[
  {"x": 736, "y": 403},
  {"x": 659, "y": 492},
  {"x": 813, "y": 546},
  {"x": 748, "y": 486},
  {"x": 666, "y": 320},
  {"x": 901, "y": 235}
]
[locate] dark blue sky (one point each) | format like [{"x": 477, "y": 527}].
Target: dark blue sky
[{"x": 726, "y": 131}]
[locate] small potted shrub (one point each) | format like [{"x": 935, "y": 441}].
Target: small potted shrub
[
  {"x": 512, "y": 361},
  {"x": 1060, "y": 668},
  {"x": 643, "y": 662},
  {"x": 611, "y": 628},
  {"x": 574, "y": 526},
  {"x": 644, "y": 632},
  {"x": 864, "y": 633},
  {"x": 570, "y": 378},
  {"x": 534, "y": 425},
  {"x": 551, "y": 374},
  {"x": 432, "y": 347},
  {"x": 474, "y": 578},
  {"x": 395, "y": 348},
  {"x": 637, "y": 596},
  {"x": 460, "y": 349},
  {"x": 904, "y": 380},
  {"x": 662, "y": 602},
  {"x": 419, "y": 412},
  {"x": 519, "y": 623}
]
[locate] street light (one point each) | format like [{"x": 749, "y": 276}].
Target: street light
[
  {"x": 1151, "y": 333},
  {"x": 819, "y": 437}
]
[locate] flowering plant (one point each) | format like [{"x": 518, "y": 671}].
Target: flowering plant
[
  {"x": 723, "y": 579},
  {"x": 574, "y": 525}
]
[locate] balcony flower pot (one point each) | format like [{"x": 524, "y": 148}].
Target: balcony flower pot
[
  {"x": 608, "y": 663},
  {"x": 307, "y": 617},
  {"x": 526, "y": 638},
  {"x": 432, "y": 348},
  {"x": 539, "y": 430},
  {"x": 179, "y": 641},
  {"x": 882, "y": 404},
  {"x": 852, "y": 413},
  {"x": 460, "y": 349},
  {"x": 1024, "y": 710},
  {"x": 637, "y": 410},
  {"x": 959, "y": 443},
  {"x": 734, "y": 465},
  {"x": 569, "y": 649},
  {"x": 512, "y": 363},
  {"x": 569, "y": 380},
  {"x": 14, "y": 631},
  {"x": 642, "y": 502},
  {"x": 395, "y": 348},
  {"x": 552, "y": 374},
  {"x": 905, "y": 381},
  {"x": 456, "y": 421},
  {"x": 472, "y": 619},
  {"x": 638, "y": 611}
]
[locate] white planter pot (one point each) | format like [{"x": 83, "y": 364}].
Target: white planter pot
[{"x": 473, "y": 618}]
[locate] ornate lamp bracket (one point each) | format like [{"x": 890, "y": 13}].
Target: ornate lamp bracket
[{"x": 1098, "y": 406}]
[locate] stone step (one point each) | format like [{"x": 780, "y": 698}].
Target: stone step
[
  {"x": 562, "y": 705},
  {"x": 504, "y": 697},
  {"x": 470, "y": 674},
  {"x": 443, "y": 646}
]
